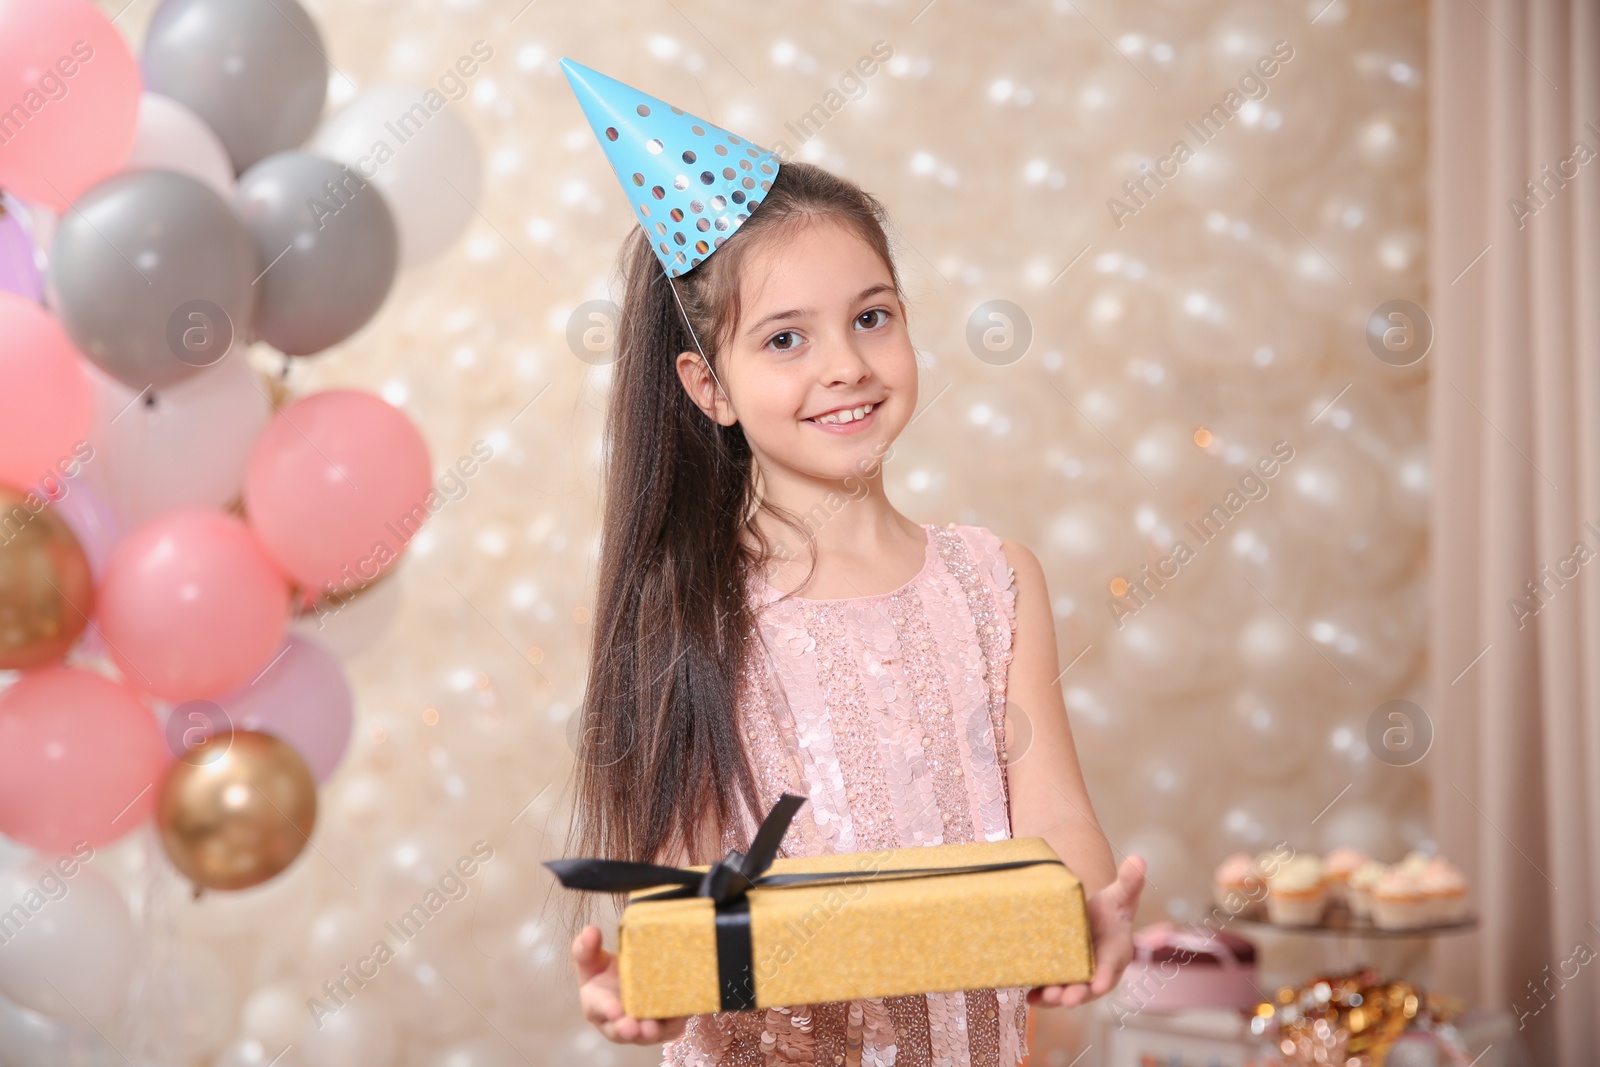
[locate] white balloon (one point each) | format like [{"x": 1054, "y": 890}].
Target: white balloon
[
  {"x": 354, "y": 626},
  {"x": 275, "y": 1015},
  {"x": 1274, "y": 734},
  {"x": 340, "y": 936},
  {"x": 486, "y": 1051},
  {"x": 428, "y": 992},
  {"x": 29, "y": 1039},
  {"x": 424, "y": 161},
  {"x": 1331, "y": 493},
  {"x": 72, "y": 956},
  {"x": 1368, "y": 827},
  {"x": 183, "y": 447},
  {"x": 171, "y": 137},
  {"x": 250, "y": 1052},
  {"x": 359, "y": 1033},
  {"x": 1372, "y": 642},
  {"x": 205, "y": 1002}
]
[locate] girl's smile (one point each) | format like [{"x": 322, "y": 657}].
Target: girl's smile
[{"x": 845, "y": 419}]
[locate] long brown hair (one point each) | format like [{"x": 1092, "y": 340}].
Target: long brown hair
[{"x": 661, "y": 761}]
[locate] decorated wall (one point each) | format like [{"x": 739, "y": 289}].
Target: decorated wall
[{"x": 1152, "y": 252}]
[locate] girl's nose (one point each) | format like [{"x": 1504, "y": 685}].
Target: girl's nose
[{"x": 844, "y": 366}]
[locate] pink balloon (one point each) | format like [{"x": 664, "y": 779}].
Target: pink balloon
[
  {"x": 46, "y": 398},
  {"x": 80, "y": 759},
  {"x": 337, "y": 484},
  {"x": 191, "y": 606},
  {"x": 71, "y": 89},
  {"x": 303, "y": 698}
]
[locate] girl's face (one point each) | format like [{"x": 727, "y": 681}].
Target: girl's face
[{"x": 820, "y": 370}]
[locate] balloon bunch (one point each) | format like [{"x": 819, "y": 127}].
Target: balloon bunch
[{"x": 161, "y": 524}]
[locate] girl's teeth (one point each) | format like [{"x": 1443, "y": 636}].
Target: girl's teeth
[{"x": 848, "y": 414}]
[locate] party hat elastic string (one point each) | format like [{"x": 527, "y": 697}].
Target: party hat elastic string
[{"x": 695, "y": 337}]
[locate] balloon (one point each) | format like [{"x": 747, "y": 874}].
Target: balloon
[
  {"x": 90, "y": 521},
  {"x": 1369, "y": 827},
  {"x": 238, "y": 815},
  {"x": 79, "y": 757},
  {"x": 1162, "y": 652},
  {"x": 191, "y": 606},
  {"x": 19, "y": 258},
  {"x": 254, "y": 70},
  {"x": 351, "y": 624},
  {"x": 1331, "y": 493},
  {"x": 1273, "y": 734},
  {"x": 416, "y": 984},
  {"x": 34, "y": 1040},
  {"x": 332, "y": 245},
  {"x": 46, "y": 587},
  {"x": 205, "y": 1003},
  {"x": 492, "y": 1051},
  {"x": 72, "y": 94},
  {"x": 153, "y": 274},
  {"x": 172, "y": 137},
  {"x": 431, "y": 180},
  {"x": 275, "y": 1014},
  {"x": 301, "y": 697},
  {"x": 339, "y": 935},
  {"x": 1168, "y": 862},
  {"x": 69, "y": 948},
  {"x": 361, "y": 1033},
  {"x": 1372, "y": 643},
  {"x": 181, "y": 446},
  {"x": 250, "y": 1052},
  {"x": 336, "y": 486},
  {"x": 46, "y": 399}
]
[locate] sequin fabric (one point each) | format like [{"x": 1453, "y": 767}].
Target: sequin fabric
[{"x": 888, "y": 712}]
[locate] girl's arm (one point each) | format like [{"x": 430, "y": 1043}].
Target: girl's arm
[{"x": 1048, "y": 796}]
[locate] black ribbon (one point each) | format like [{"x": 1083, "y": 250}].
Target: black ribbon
[{"x": 727, "y": 882}]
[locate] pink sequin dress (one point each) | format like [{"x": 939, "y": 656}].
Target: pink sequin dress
[{"x": 887, "y": 712}]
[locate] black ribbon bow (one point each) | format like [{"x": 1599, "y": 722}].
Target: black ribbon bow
[{"x": 727, "y": 882}]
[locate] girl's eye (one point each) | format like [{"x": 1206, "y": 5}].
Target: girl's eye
[
  {"x": 779, "y": 344},
  {"x": 874, "y": 311}
]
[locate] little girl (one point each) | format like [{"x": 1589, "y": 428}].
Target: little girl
[{"x": 768, "y": 622}]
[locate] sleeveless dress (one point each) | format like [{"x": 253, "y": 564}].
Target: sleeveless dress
[{"x": 887, "y": 712}]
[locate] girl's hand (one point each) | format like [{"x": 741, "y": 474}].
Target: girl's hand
[
  {"x": 1111, "y": 914},
  {"x": 600, "y": 994}
]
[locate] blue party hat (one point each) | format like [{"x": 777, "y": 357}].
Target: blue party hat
[{"x": 692, "y": 183}]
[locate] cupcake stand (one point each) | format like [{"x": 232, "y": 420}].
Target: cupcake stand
[{"x": 1194, "y": 998}]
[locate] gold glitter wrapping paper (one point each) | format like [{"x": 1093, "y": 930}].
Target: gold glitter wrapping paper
[{"x": 1024, "y": 926}]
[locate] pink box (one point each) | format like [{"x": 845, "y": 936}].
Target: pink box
[{"x": 1178, "y": 967}]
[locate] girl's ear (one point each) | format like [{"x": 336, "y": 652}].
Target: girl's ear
[{"x": 703, "y": 389}]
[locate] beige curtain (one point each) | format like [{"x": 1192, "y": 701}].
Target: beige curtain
[{"x": 1515, "y": 674}]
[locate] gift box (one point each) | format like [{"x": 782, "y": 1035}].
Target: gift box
[
  {"x": 1176, "y": 968},
  {"x": 755, "y": 931}
]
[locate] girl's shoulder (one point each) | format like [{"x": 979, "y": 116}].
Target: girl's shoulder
[
  {"x": 994, "y": 559},
  {"x": 988, "y": 547}
]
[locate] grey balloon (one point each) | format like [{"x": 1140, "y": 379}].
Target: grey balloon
[
  {"x": 152, "y": 272},
  {"x": 329, "y": 246},
  {"x": 254, "y": 70}
]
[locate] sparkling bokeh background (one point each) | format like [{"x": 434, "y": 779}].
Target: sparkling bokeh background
[{"x": 1164, "y": 356}]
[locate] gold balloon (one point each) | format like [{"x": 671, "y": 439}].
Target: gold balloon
[
  {"x": 46, "y": 588},
  {"x": 236, "y": 809}
]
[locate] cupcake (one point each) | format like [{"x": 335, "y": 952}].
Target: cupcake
[
  {"x": 1237, "y": 881},
  {"x": 1358, "y": 891},
  {"x": 1398, "y": 900},
  {"x": 1337, "y": 867},
  {"x": 1415, "y": 864},
  {"x": 1446, "y": 890},
  {"x": 1296, "y": 894}
]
